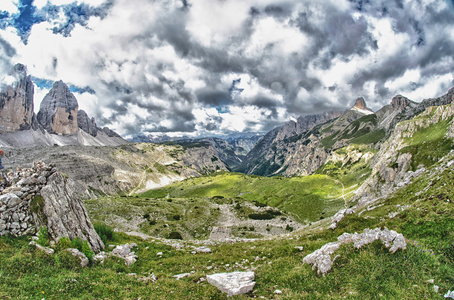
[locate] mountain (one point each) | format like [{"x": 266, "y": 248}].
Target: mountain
[
  {"x": 58, "y": 111},
  {"x": 58, "y": 122},
  {"x": 16, "y": 101},
  {"x": 289, "y": 148}
]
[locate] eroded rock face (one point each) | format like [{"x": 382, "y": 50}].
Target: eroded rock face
[
  {"x": 16, "y": 101},
  {"x": 58, "y": 110},
  {"x": 65, "y": 211},
  {"x": 86, "y": 124},
  {"x": 41, "y": 196}
]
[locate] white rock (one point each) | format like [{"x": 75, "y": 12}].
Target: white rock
[
  {"x": 235, "y": 283},
  {"x": 47, "y": 250},
  {"x": 80, "y": 255},
  {"x": 202, "y": 249},
  {"x": 179, "y": 276}
]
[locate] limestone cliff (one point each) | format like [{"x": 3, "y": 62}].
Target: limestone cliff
[
  {"x": 86, "y": 124},
  {"x": 16, "y": 101},
  {"x": 392, "y": 165},
  {"x": 58, "y": 110}
]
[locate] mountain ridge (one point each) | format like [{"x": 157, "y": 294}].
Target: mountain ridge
[{"x": 58, "y": 122}]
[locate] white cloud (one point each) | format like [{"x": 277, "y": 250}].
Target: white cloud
[
  {"x": 10, "y": 6},
  {"x": 41, "y": 3}
]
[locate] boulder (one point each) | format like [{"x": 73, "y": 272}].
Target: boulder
[
  {"x": 65, "y": 211},
  {"x": 124, "y": 251},
  {"x": 83, "y": 259},
  {"x": 235, "y": 283},
  {"x": 321, "y": 259},
  {"x": 46, "y": 250}
]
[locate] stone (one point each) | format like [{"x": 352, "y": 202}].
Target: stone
[
  {"x": 235, "y": 283},
  {"x": 130, "y": 259},
  {"x": 436, "y": 288},
  {"x": 321, "y": 259},
  {"x": 151, "y": 277},
  {"x": 83, "y": 259},
  {"x": 58, "y": 110},
  {"x": 179, "y": 276},
  {"x": 100, "y": 257},
  {"x": 10, "y": 199},
  {"x": 124, "y": 251},
  {"x": 449, "y": 294},
  {"x": 66, "y": 213},
  {"x": 202, "y": 249},
  {"x": 46, "y": 250},
  {"x": 278, "y": 292}
]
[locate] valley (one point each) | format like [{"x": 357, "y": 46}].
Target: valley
[{"x": 196, "y": 207}]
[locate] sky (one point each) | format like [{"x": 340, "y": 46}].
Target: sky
[{"x": 216, "y": 67}]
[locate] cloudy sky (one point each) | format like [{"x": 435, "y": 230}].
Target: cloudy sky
[{"x": 210, "y": 67}]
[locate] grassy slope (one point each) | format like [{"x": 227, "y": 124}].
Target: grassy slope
[
  {"x": 306, "y": 198},
  {"x": 423, "y": 211}
]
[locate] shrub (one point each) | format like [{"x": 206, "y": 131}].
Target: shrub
[
  {"x": 174, "y": 235},
  {"x": 105, "y": 232},
  {"x": 77, "y": 244},
  {"x": 63, "y": 243},
  {"x": 67, "y": 260},
  {"x": 43, "y": 236}
]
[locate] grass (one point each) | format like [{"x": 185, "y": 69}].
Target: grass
[
  {"x": 371, "y": 272},
  {"x": 429, "y": 144},
  {"x": 306, "y": 198}
]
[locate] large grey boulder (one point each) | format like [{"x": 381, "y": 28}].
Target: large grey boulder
[
  {"x": 235, "y": 283},
  {"x": 321, "y": 259},
  {"x": 58, "y": 110},
  {"x": 86, "y": 124},
  {"x": 65, "y": 211},
  {"x": 16, "y": 101}
]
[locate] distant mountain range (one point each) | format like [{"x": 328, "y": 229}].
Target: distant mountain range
[{"x": 58, "y": 122}]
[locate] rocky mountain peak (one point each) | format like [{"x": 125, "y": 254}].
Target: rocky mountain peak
[
  {"x": 400, "y": 102},
  {"x": 86, "y": 124},
  {"x": 360, "y": 103},
  {"x": 360, "y": 106},
  {"x": 16, "y": 101},
  {"x": 58, "y": 110}
]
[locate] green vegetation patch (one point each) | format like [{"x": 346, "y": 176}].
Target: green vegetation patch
[
  {"x": 305, "y": 198},
  {"x": 428, "y": 145}
]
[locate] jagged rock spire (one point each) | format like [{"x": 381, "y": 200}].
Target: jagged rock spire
[
  {"x": 16, "y": 101},
  {"x": 58, "y": 110}
]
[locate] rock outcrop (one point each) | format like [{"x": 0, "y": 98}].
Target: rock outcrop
[
  {"x": 86, "y": 124},
  {"x": 41, "y": 196},
  {"x": 390, "y": 166},
  {"x": 235, "y": 283},
  {"x": 321, "y": 258},
  {"x": 16, "y": 101},
  {"x": 58, "y": 110},
  {"x": 360, "y": 106},
  {"x": 65, "y": 211}
]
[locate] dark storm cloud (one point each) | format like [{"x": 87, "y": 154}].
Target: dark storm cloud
[
  {"x": 8, "y": 50},
  {"x": 214, "y": 97},
  {"x": 279, "y": 77}
]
